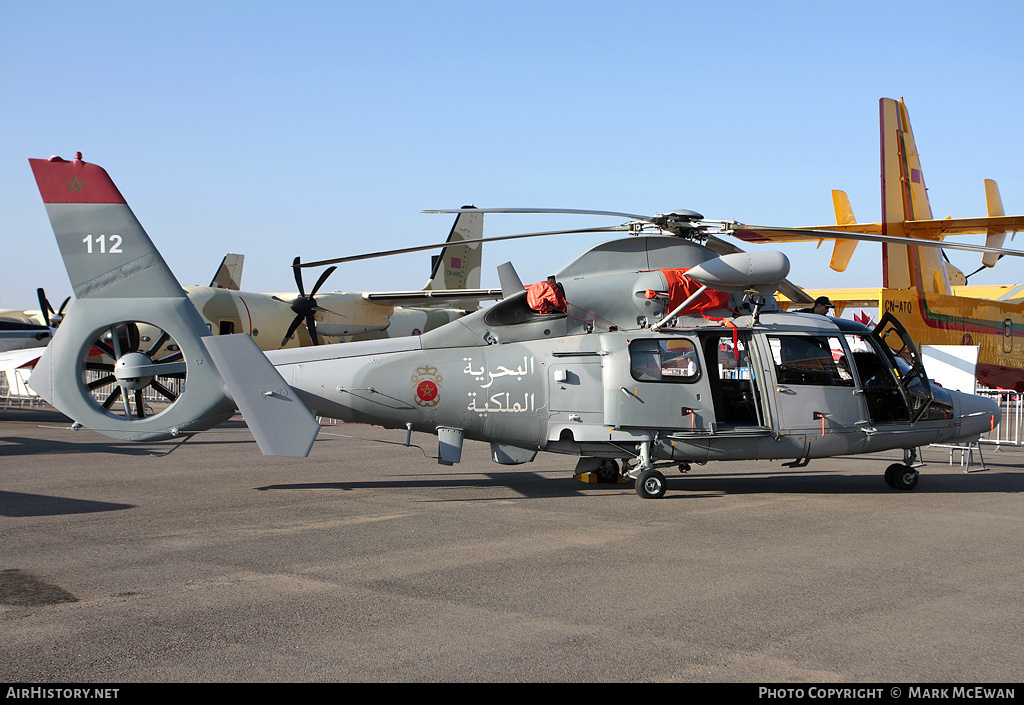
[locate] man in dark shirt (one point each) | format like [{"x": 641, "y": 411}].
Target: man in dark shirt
[{"x": 820, "y": 307}]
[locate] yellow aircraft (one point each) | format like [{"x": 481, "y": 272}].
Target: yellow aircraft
[{"x": 919, "y": 287}]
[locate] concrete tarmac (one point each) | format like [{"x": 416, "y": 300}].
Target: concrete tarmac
[{"x": 368, "y": 561}]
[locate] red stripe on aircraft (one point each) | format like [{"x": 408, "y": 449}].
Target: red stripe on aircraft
[
  {"x": 961, "y": 324},
  {"x": 61, "y": 181}
]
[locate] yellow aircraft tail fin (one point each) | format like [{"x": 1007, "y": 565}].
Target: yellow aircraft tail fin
[
  {"x": 995, "y": 238},
  {"x": 905, "y": 198},
  {"x": 843, "y": 250}
]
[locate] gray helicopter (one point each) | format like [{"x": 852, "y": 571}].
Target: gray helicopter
[{"x": 647, "y": 351}]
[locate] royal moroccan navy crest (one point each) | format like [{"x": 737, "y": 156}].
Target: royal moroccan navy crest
[{"x": 428, "y": 386}]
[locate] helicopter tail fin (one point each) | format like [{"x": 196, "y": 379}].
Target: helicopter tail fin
[
  {"x": 100, "y": 371},
  {"x": 457, "y": 266}
]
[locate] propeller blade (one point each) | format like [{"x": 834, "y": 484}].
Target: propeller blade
[
  {"x": 320, "y": 281},
  {"x": 158, "y": 343},
  {"x": 60, "y": 311},
  {"x": 291, "y": 329},
  {"x": 298, "y": 276},
  {"x": 388, "y": 253},
  {"x": 311, "y": 327},
  {"x": 44, "y": 305}
]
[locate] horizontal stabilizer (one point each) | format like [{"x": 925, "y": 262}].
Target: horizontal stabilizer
[
  {"x": 843, "y": 250},
  {"x": 994, "y": 238},
  {"x": 280, "y": 422}
]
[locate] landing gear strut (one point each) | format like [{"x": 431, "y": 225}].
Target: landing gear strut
[{"x": 649, "y": 483}]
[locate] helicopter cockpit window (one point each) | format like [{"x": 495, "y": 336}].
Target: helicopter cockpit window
[
  {"x": 515, "y": 310},
  {"x": 811, "y": 360},
  {"x": 663, "y": 360}
]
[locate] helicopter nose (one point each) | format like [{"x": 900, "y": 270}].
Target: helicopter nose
[{"x": 977, "y": 414}]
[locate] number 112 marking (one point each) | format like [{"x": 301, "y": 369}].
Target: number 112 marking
[{"x": 101, "y": 244}]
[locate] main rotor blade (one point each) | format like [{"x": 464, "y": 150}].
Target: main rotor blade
[
  {"x": 388, "y": 253},
  {"x": 566, "y": 211},
  {"x": 762, "y": 234}
]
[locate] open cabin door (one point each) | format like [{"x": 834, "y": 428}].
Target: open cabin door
[
  {"x": 903, "y": 358},
  {"x": 736, "y": 380}
]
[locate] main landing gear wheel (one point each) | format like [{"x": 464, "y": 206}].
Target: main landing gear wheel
[
  {"x": 901, "y": 477},
  {"x": 608, "y": 470},
  {"x": 651, "y": 484}
]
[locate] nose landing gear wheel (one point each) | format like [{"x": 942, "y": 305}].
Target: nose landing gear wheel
[
  {"x": 901, "y": 477},
  {"x": 651, "y": 484}
]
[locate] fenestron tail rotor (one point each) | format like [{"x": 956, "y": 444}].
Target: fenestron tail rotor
[{"x": 128, "y": 380}]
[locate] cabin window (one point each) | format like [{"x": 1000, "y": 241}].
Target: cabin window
[
  {"x": 811, "y": 360},
  {"x": 665, "y": 360},
  {"x": 227, "y": 327}
]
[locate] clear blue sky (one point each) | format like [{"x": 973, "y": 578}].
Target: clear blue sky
[{"x": 320, "y": 129}]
